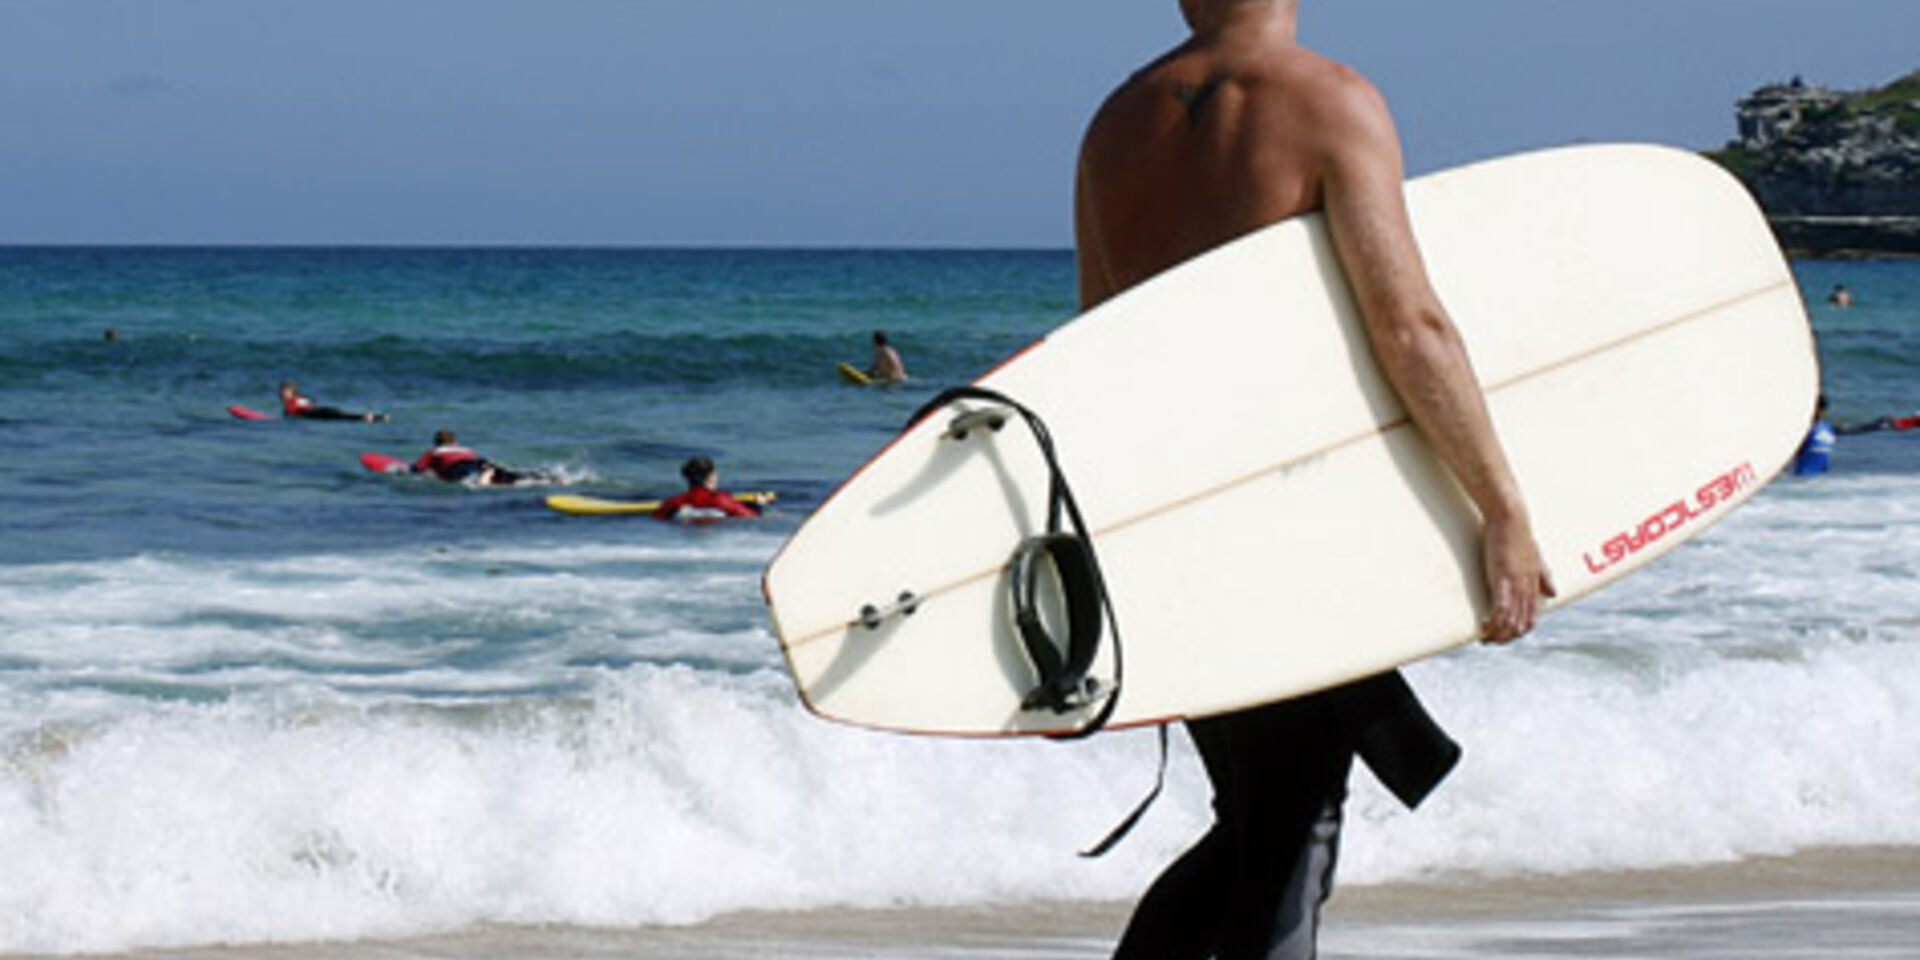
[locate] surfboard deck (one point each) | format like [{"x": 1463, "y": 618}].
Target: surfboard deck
[
  {"x": 248, "y": 413},
  {"x": 584, "y": 506},
  {"x": 1278, "y": 526},
  {"x": 854, "y": 375}
]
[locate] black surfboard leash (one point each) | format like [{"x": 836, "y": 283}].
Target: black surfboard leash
[{"x": 1064, "y": 684}]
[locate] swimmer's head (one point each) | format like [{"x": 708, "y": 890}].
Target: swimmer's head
[{"x": 697, "y": 471}]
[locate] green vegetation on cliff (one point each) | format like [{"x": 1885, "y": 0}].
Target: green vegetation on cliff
[
  {"x": 1838, "y": 172},
  {"x": 1782, "y": 125},
  {"x": 1899, "y": 100}
]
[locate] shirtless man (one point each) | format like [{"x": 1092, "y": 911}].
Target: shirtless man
[
  {"x": 1235, "y": 129},
  {"x": 887, "y": 366}
]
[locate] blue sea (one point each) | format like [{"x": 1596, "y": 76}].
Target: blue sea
[{"x": 251, "y": 693}]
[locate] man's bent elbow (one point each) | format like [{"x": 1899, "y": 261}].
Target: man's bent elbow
[{"x": 1414, "y": 333}]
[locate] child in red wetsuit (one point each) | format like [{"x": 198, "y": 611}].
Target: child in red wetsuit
[
  {"x": 299, "y": 406},
  {"x": 703, "y": 501}
]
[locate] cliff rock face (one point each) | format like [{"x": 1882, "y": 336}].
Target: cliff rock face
[{"x": 1837, "y": 172}]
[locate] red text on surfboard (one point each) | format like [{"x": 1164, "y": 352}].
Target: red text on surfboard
[{"x": 1716, "y": 495}]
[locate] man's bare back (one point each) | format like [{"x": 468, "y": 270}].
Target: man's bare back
[{"x": 1212, "y": 141}]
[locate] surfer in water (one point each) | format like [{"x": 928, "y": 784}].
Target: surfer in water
[
  {"x": 1237, "y": 128},
  {"x": 703, "y": 500},
  {"x": 450, "y": 461},
  {"x": 299, "y": 406},
  {"x": 1816, "y": 450},
  {"x": 1877, "y": 424},
  {"x": 887, "y": 366}
]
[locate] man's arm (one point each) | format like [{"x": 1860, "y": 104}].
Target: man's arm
[{"x": 1421, "y": 352}]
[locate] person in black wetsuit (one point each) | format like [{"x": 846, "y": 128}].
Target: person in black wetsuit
[
  {"x": 298, "y": 406},
  {"x": 1877, "y": 424}
]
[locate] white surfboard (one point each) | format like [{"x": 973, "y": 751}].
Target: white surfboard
[{"x": 1268, "y": 521}]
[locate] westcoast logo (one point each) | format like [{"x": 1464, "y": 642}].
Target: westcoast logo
[{"x": 1715, "y": 495}]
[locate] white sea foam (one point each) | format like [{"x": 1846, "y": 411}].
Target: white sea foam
[
  {"x": 1757, "y": 693},
  {"x": 352, "y": 746},
  {"x": 419, "y": 623},
  {"x": 667, "y": 795}
]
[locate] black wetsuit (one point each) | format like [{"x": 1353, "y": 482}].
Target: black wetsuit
[
  {"x": 1252, "y": 887},
  {"x": 303, "y": 408},
  {"x": 327, "y": 413},
  {"x": 1880, "y": 423}
]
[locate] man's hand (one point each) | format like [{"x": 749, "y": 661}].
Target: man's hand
[{"x": 1517, "y": 580}]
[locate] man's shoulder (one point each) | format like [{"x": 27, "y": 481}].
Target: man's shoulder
[
  {"x": 1330, "y": 102},
  {"x": 1294, "y": 78},
  {"x": 1322, "y": 81},
  {"x": 1142, "y": 92}
]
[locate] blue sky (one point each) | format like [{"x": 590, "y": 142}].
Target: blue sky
[{"x": 774, "y": 122}]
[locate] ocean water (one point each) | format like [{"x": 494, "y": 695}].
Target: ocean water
[{"x": 251, "y": 693}]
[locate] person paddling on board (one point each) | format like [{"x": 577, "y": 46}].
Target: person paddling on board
[
  {"x": 298, "y": 406},
  {"x": 1238, "y": 128},
  {"x": 887, "y": 365},
  {"x": 703, "y": 500},
  {"x": 450, "y": 461},
  {"x": 1878, "y": 424}
]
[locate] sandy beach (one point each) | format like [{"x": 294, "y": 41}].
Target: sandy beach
[{"x": 1829, "y": 904}]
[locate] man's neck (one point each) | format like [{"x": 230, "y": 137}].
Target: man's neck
[{"x": 1268, "y": 20}]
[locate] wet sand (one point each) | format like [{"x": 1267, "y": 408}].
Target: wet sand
[{"x": 1832, "y": 905}]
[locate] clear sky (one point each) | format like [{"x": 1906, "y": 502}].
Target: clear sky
[{"x": 775, "y": 122}]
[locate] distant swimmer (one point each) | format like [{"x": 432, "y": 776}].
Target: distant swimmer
[
  {"x": 887, "y": 366},
  {"x": 1816, "y": 451},
  {"x": 298, "y": 406},
  {"x": 703, "y": 502},
  {"x": 450, "y": 461},
  {"x": 1841, "y": 296}
]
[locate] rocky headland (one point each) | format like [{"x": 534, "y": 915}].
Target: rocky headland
[{"x": 1838, "y": 172}]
